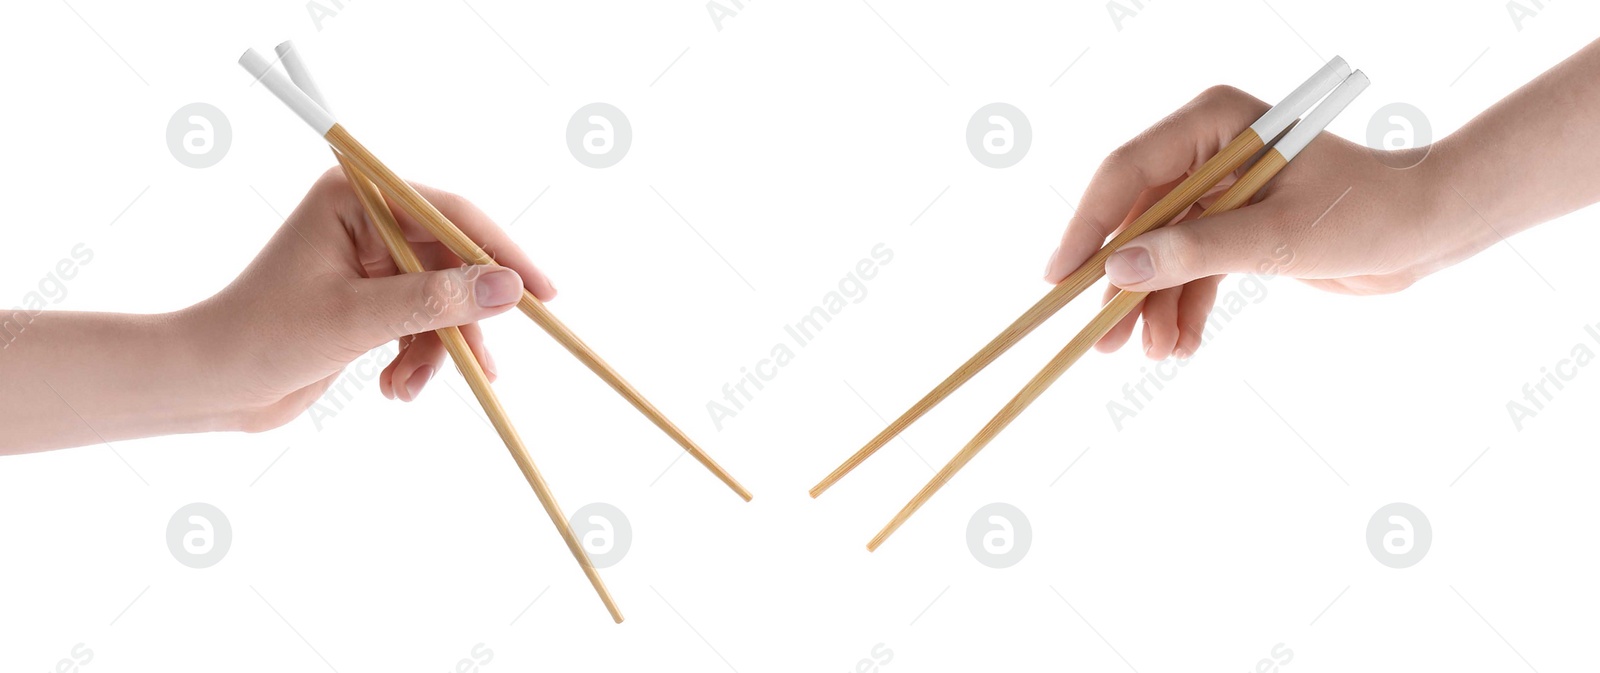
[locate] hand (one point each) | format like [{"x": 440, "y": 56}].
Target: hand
[
  {"x": 1338, "y": 217},
  {"x": 324, "y": 291}
]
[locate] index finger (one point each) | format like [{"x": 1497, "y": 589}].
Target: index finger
[
  {"x": 1162, "y": 154},
  {"x": 479, "y": 227}
]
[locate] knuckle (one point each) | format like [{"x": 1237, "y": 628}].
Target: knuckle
[
  {"x": 1124, "y": 161},
  {"x": 441, "y": 291},
  {"x": 410, "y": 318},
  {"x": 1121, "y": 156},
  {"x": 330, "y": 187},
  {"x": 1220, "y": 94},
  {"x": 430, "y": 302},
  {"x": 1227, "y": 103},
  {"x": 331, "y": 180},
  {"x": 1185, "y": 251}
]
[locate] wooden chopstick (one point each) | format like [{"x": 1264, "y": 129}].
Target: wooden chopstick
[
  {"x": 464, "y": 247},
  {"x": 1176, "y": 201},
  {"x": 1225, "y": 162},
  {"x": 454, "y": 342},
  {"x": 1265, "y": 168},
  {"x": 478, "y": 381},
  {"x": 458, "y": 242},
  {"x": 1110, "y": 314}
]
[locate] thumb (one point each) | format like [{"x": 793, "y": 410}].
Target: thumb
[
  {"x": 1233, "y": 242},
  {"x": 410, "y": 303}
]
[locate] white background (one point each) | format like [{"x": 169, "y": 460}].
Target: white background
[{"x": 794, "y": 139}]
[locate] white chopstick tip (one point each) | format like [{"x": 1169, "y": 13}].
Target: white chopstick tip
[
  {"x": 1303, "y": 133},
  {"x": 1338, "y": 66},
  {"x": 1283, "y": 114},
  {"x": 278, "y": 83},
  {"x": 295, "y": 65},
  {"x": 254, "y": 63}
]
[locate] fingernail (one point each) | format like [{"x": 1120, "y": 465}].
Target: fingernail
[
  {"x": 1052, "y": 263},
  {"x": 1182, "y": 353},
  {"x": 418, "y": 379},
  {"x": 1147, "y": 343},
  {"x": 496, "y": 288},
  {"x": 1130, "y": 266}
]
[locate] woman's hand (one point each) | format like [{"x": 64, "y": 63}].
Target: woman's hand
[
  {"x": 324, "y": 291},
  {"x": 1339, "y": 217}
]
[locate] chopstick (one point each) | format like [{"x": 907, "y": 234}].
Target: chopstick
[
  {"x": 406, "y": 260},
  {"x": 1265, "y": 168},
  {"x": 464, "y": 247},
  {"x": 1229, "y": 159}
]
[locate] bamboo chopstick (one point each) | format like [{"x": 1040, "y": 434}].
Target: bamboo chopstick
[
  {"x": 1266, "y": 168},
  {"x": 406, "y": 260},
  {"x": 1225, "y": 162},
  {"x": 464, "y": 247}
]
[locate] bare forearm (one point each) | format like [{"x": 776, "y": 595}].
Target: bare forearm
[
  {"x": 1532, "y": 156},
  {"x": 73, "y": 379}
]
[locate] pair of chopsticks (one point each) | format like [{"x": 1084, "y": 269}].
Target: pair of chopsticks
[
  {"x": 372, "y": 181},
  {"x": 1334, "y": 77}
]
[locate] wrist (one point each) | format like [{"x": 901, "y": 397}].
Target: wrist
[
  {"x": 1452, "y": 212},
  {"x": 188, "y": 366}
]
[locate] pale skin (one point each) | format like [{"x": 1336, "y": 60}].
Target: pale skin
[
  {"x": 257, "y": 354},
  {"x": 1526, "y": 160},
  {"x": 324, "y": 290}
]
